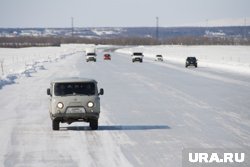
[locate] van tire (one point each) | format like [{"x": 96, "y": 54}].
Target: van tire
[
  {"x": 93, "y": 124},
  {"x": 55, "y": 125}
]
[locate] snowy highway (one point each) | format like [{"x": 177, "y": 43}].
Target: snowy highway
[{"x": 150, "y": 112}]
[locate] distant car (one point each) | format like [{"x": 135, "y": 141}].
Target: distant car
[
  {"x": 158, "y": 58},
  {"x": 74, "y": 100},
  {"x": 91, "y": 57},
  {"x": 137, "y": 56},
  {"x": 107, "y": 57},
  {"x": 191, "y": 61}
]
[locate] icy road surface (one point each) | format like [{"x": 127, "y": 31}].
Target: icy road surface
[{"x": 151, "y": 111}]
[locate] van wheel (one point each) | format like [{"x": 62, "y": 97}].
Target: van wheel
[
  {"x": 55, "y": 125},
  {"x": 93, "y": 124}
]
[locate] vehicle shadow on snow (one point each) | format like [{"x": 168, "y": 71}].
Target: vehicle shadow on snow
[
  {"x": 120, "y": 127},
  {"x": 133, "y": 127}
]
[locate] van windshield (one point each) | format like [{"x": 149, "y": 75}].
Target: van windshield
[
  {"x": 137, "y": 54},
  {"x": 91, "y": 54},
  {"x": 79, "y": 88}
]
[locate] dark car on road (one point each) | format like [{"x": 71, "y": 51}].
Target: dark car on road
[{"x": 191, "y": 61}]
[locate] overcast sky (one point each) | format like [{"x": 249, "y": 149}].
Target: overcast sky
[{"x": 117, "y": 13}]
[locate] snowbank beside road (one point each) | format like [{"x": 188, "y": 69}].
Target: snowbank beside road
[
  {"x": 232, "y": 58},
  {"x": 20, "y": 62}
]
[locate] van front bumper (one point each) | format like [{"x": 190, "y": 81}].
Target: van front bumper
[{"x": 76, "y": 115}]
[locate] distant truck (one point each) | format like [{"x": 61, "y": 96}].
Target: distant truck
[
  {"x": 90, "y": 54},
  {"x": 137, "y": 56}
]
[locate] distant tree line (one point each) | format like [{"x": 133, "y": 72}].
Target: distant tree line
[
  {"x": 16, "y": 42},
  {"x": 190, "y": 40}
]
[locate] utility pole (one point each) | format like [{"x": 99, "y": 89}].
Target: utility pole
[
  {"x": 245, "y": 28},
  {"x": 157, "y": 29},
  {"x": 72, "y": 26},
  {"x": 206, "y": 26},
  {"x": 1, "y": 62}
]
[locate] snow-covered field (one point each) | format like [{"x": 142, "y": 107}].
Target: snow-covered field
[{"x": 150, "y": 111}]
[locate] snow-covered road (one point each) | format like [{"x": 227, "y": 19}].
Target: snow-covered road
[{"x": 150, "y": 112}]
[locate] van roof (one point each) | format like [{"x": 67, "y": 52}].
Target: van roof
[{"x": 72, "y": 79}]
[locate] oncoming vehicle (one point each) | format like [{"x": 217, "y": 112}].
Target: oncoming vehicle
[
  {"x": 107, "y": 57},
  {"x": 91, "y": 57},
  {"x": 137, "y": 56},
  {"x": 74, "y": 100},
  {"x": 191, "y": 61},
  {"x": 158, "y": 58}
]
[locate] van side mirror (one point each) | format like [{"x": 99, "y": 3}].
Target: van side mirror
[
  {"x": 101, "y": 92},
  {"x": 48, "y": 92}
]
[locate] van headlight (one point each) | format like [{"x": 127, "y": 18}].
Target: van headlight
[
  {"x": 60, "y": 105},
  {"x": 90, "y": 104}
]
